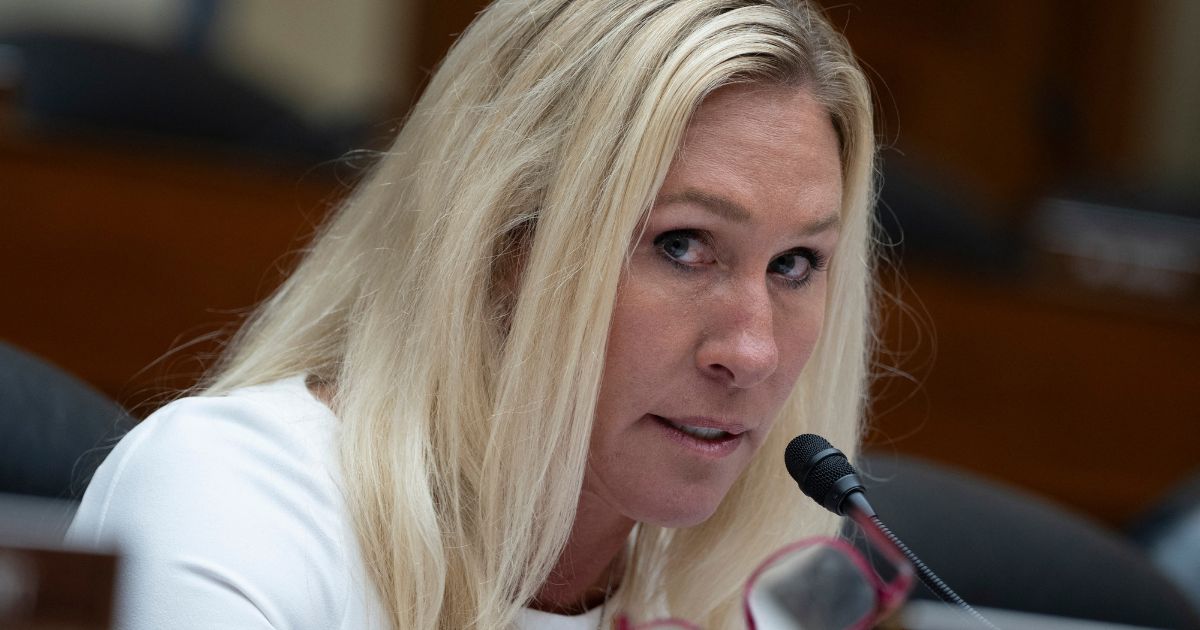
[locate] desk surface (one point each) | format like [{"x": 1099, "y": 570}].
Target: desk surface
[{"x": 44, "y": 587}]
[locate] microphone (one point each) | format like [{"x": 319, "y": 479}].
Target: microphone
[{"x": 827, "y": 477}]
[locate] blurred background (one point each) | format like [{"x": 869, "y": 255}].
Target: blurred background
[{"x": 162, "y": 162}]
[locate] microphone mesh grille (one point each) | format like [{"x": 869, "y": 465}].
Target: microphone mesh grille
[
  {"x": 822, "y": 477},
  {"x": 800, "y": 450}
]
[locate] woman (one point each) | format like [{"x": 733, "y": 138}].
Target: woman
[{"x": 541, "y": 367}]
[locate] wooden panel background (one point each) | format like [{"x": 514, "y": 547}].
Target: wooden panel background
[{"x": 115, "y": 257}]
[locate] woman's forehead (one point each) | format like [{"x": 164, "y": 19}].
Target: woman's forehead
[{"x": 751, "y": 147}]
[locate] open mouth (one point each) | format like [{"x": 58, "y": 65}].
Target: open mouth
[{"x": 704, "y": 435}]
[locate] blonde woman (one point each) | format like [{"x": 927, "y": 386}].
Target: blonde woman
[{"x": 541, "y": 367}]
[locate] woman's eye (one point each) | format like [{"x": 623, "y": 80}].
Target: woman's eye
[
  {"x": 797, "y": 267},
  {"x": 683, "y": 246}
]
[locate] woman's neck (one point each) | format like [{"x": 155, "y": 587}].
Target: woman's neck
[{"x": 590, "y": 567}]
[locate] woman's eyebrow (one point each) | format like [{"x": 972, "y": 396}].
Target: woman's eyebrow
[
  {"x": 725, "y": 208},
  {"x": 823, "y": 224},
  {"x": 734, "y": 212}
]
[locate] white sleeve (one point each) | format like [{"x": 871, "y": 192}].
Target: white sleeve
[{"x": 223, "y": 519}]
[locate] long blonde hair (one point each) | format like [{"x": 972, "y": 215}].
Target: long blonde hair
[{"x": 460, "y": 301}]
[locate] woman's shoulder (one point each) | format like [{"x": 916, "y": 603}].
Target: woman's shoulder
[
  {"x": 280, "y": 409},
  {"x": 229, "y": 445},
  {"x": 271, "y": 426},
  {"x": 230, "y": 506}
]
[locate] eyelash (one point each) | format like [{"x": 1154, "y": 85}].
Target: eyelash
[{"x": 816, "y": 260}]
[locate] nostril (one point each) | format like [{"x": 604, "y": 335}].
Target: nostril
[{"x": 722, "y": 373}]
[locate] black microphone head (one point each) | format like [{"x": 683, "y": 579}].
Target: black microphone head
[
  {"x": 799, "y": 454},
  {"x": 822, "y": 471}
]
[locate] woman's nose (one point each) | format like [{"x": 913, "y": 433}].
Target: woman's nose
[{"x": 739, "y": 347}]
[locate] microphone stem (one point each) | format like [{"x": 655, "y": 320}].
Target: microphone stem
[{"x": 891, "y": 544}]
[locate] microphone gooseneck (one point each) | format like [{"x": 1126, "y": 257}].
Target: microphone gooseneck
[{"x": 827, "y": 477}]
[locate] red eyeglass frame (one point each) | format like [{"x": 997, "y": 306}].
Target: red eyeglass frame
[{"x": 889, "y": 596}]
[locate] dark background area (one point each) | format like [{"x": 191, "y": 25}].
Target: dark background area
[{"x": 1040, "y": 313}]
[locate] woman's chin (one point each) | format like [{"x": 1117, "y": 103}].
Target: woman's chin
[
  {"x": 652, "y": 491},
  {"x": 679, "y": 511}
]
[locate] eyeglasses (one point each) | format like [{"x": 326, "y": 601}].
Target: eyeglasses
[{"x": 817, "y": 584}]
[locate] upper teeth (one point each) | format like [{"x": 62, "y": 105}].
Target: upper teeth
[{"x": 701, "y": 432}]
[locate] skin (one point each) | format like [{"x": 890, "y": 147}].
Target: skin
[{"x": 717, "y": 313}]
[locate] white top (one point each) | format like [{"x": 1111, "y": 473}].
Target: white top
[{"x": 228, "y": 513}]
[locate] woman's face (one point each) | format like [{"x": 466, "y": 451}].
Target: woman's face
[{"x": 720, "y": 305}]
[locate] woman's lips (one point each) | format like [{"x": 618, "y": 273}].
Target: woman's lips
[{"x": 702, "y": 436}]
